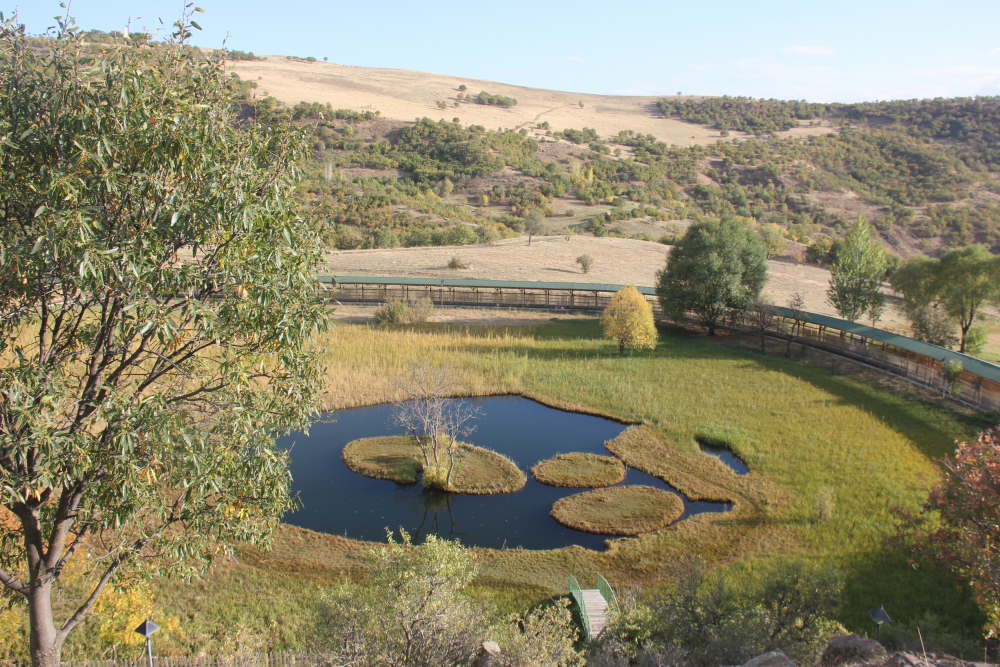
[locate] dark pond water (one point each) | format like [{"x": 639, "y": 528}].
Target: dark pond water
[
  {"x": 337, "y": 501},
  {"x": 728, "y": 457}
]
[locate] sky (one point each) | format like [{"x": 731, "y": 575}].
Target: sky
[{"x": 844, "y": 51}]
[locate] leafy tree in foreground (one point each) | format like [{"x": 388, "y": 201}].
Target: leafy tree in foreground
[
  {"x": 717, "y": 266},
  {"x": 628, "y": 320},
  {"x": 156, "y": 305},
  {"x": 967, "y": 537},
  {"x": 414, "y": 610},
  {"x": 856, "y": 275}
]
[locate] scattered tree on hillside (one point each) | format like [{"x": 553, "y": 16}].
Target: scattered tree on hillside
[
  {"x": 437, "y": 421},
  {"x": 157, "y": 301},
  {"x": 774, "y": 239},
  {"x": 717, "y": 266},
  {"x": 939, "y": 295},
  {"x": 628, "y": 320},
  {"x": 967, "y": 279},
  {"x": 856, "y": 275},
  {"x": 534, "y": 225},
  {"x": 585, "y": 262}
]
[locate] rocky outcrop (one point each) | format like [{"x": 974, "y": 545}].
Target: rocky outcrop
[
  {"x": 771, "y": 659},
  {"x": 851, "y": 649}
]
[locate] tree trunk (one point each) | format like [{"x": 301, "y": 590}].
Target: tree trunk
[
  {"x": 451, "y": 464},
  {"x": 45, "y": 647},
  {"x": 621, "y": 349},
  {"x": 711, "y": 329}
]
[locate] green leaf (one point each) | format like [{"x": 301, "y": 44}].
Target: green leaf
[{"x": 41, "y": 209}]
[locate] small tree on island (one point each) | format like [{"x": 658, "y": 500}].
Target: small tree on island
[
  {"x": 628, "y": 320},
  {"x": 437, "y": 421},
  {"x": 157, "y": 302},
  {"x": 856, "y": 275},
  {"x": 716, "y": 267}
]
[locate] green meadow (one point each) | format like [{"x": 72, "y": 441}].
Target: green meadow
[{"x": 830, "y": 456}]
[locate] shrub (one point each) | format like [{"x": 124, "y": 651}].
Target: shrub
[
  {"x": 421, "y": 310},
  {"x": 393, "y": 312},
  {"x": 460, "y": 235},
  {"x": 728, "y": 617},
  {"x": 456, "y": 263},
  {"x": 585, "y": 262}
]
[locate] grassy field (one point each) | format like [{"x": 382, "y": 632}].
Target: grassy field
[
  {"x": 579, "y": 470},
  {"x": 829, "y": 457},
  {"x": 622, "y": 510}
]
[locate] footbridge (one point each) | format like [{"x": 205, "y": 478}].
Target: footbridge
[{"x": 595, "y": 605}]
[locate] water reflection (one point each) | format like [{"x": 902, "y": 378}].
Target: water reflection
[{"x": 340, "y": 502}]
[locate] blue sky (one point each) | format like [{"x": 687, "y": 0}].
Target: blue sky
[{"x": 835, "y": 51}]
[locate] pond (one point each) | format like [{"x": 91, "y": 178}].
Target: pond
[{"x": 340, "y": 502}]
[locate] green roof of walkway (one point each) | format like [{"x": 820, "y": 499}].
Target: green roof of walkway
[
  {"x": 971, "y": 364},
  {"x": 509, "y": 284},
  {"x": 977, "y": 366}
]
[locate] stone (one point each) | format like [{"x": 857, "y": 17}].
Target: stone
[
  {"x": 489, "y": 655},
  {"x": 849, "y": 649},
  {"x": 771, "y": 659}
]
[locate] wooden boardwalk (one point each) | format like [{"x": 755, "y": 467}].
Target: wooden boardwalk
[
  {"x": 597, "y": 610},
  {"x": 595, "y": 605}
]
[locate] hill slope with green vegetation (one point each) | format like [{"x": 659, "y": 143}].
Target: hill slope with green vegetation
[{"x": 924, "y": 172}]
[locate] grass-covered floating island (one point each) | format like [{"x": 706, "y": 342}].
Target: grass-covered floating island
[
  {"x": 579, "y": 470},
  {"x": 478, "y": 471},
  {"x": 620, "y": 510}
]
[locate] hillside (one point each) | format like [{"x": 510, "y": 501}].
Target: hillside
[
  {"x": 924, "y": 172},
  {"x": 404, "y": 95}
]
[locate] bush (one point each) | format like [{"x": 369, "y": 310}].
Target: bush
[
  {"x": 819, "y": 251},
  {"x": 460, "y": 235},
  {"x": 726, "y": 618},
  {"x": 456, "y": 263},
  {"x": 585, "y": 262},
  {"x": 421, "y": 310},
  {"x": 393, "y": 312},
  {"x": 975, "y": 340}
]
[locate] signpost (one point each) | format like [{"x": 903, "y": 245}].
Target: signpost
[
  {"x": 146, "y": 630},
  {"x": 879, "y": 616}
]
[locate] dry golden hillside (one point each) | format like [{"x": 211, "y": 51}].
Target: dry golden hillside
[{"x": 406, "y": 95}]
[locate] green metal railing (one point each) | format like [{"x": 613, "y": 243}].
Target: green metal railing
[
  {"x": 609, "y": 594},
  {"x": 574, "y": 590}
]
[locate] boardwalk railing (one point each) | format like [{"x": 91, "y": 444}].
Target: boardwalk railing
[
  {"x": 281, "y": 659},
  {"x": 609, "y": 594},
  {"x": 574, "y": 590},
  {"x": 921, "y": 363}
]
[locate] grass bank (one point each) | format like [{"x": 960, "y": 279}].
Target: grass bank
[
  {"x": 579, "y": 470},
  {"x": 829, "y": 457},
  {"x": 478, "y": 471},
  {"x": 622, "y": 510}
]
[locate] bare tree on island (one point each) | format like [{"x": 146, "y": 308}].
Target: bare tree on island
[{"x": 429, "y": 413}]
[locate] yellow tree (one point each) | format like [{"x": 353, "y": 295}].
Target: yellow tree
[{"x": 628, "y": 320}]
